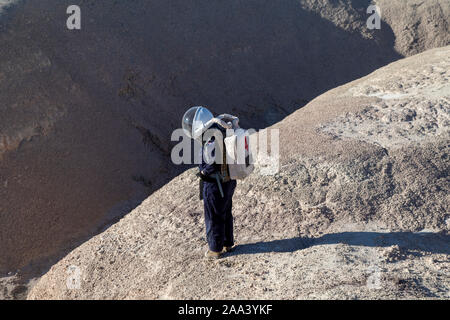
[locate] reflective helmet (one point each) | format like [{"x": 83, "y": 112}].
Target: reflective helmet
[{"x": 195, "y": 121}]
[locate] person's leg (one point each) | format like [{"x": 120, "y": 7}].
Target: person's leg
[
  {"x": 214, "y": 217},
  {"x": 229, "y": 237}
]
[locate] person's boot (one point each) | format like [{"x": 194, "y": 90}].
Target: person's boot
[
  {"x": 212, "y": 255},
  {"x": 229, "y": 249}
]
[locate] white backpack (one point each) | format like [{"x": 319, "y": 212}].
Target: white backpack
[{"x": 238, "y": 155}]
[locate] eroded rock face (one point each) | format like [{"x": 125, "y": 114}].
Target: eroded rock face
[
  {"x": 416, "y": 24},
  {"x": 86, "y": 116},
  {"x": 348, "y": 216}
]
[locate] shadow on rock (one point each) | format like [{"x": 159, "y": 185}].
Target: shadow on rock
[{"x": 409, "y": 241}]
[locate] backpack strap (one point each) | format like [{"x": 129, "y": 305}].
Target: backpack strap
[{"x": 224, "y": 171}]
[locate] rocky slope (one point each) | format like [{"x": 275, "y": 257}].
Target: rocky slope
[
  {"x": 359, "y": 209},
  {"x": 85, "y": 115},
  {"x": 416, "y": 24}
]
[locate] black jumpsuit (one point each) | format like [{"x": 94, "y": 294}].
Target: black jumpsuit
[{"x": 218, "y": 216}]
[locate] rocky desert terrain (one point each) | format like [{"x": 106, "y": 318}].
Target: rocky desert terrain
[
  {"x": 358, "y": 210},
  {"x": 86, "y": 117}
]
